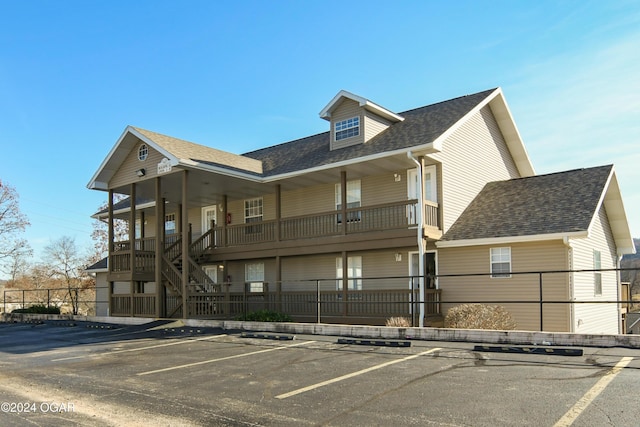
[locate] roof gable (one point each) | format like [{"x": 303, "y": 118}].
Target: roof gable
[
  {"x": 558, "y": 204},
  {"x": 177, "y": 151},
  {"x": 362, "y": 102}
]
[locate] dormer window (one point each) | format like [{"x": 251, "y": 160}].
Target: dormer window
[{"x": 347, "y": 128}]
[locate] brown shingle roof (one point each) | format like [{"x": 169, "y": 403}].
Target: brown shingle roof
[
  {"x": 421, "y": 126},
  {"x": 545, "y": 204}
]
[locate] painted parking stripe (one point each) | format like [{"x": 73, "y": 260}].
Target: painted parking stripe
[
  {"x": 220, "y": 359},
  {"x": 139, "y": 348},
  {"x": 593, "y": 392},
  {"x": 353, "y": 374}
]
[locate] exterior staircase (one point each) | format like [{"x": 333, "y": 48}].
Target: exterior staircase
[{"x": 172, "y": 268}]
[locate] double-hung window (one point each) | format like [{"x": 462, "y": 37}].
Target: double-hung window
[
  {"x": 354, "y": 273},
  {"x": 254, "y": 276},
  {"x": 347, "y": 128},
  {"x": 597, "y": 274},
  {"x": 501, "y": 262},
  {"x": 253, "y": 209},
  {"x": 354, "y": 198}
]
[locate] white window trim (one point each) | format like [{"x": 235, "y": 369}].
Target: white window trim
[
  {"x": 503, "y": 257},
  {"x": 597, "y": 275},
  {"x": 354, "y": 274},
  {"x": 344, "y": 127},
  {"x": 254, "y": 276},
  {"x": 170, "y": 217}
]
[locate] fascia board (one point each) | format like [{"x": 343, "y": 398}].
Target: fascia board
[
  {"x": 611, "y": 198},
  {"x": 426, "y": 148},
  {"x": 446, "y": 134},
  {"x": 123, "y": 210},
  {"x": 510, "y": 131},
  {"x": 325, "y": 113},
  {"x": 172, "y": 158},
  {"x": 509, "y": 239},
  {"x": 219, "y": 170},
  {"x": 93, "y": 183}
]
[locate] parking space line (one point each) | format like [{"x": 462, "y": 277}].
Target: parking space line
[
  {"x": 353, "y": 374},
  {"x": 188, "y": 365},
  {"x": 577, "y": 409},
  {"x": 139, "y": 348}
]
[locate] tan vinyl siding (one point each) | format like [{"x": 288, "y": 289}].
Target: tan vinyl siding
[
  {"x": 306, "y": 201},
  {"x": 380, "y": 270},
  {"x": 126, "y": 174},
  {"x": 375, "y": 190},
  {"x": 346, "y": 110},
  {"x": 525, "y": 257},
  {"x": 595, "y": 318},
  {"x": 380, "y": 189},
  {"x": 373, "y": 125},
  {"x": 473, "y": 155},
  {"x": 300, "y": 273}
]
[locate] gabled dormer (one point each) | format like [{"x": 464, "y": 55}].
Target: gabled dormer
[{"x": 355, "y": 120}]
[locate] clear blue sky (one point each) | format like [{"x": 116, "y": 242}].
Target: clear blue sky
[{"x": 247, "y": 74}]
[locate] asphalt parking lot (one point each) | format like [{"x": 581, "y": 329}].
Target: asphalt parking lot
[{"x": 84, "y": 374}]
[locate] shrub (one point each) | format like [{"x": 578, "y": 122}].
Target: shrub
[
  {"x": 38, "y": 309},
  {"x": 398, "y": 322},
  {"x": 265, "y": 316},
  {"x": 479, "y": 316}
]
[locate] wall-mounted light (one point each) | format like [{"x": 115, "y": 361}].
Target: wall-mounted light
[
  {"x": 397, "y": 177},
  {"x": 398, "y": 257},
  {"x": 141, "y": 172}
]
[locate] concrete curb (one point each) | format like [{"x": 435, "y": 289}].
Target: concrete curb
[{"x": 375, "y": 332}]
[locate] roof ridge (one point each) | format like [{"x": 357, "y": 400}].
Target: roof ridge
[{"x": 558, "y": 172}]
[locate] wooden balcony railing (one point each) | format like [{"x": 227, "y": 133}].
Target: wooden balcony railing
[{"x": 362, "y": 219}]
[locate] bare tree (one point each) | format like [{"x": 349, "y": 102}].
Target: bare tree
[
  {"x": 67, "y": 267},
  {"x": 12, "y": 223}
]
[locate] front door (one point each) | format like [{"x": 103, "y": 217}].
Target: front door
[{"x": 413, "y": 190}]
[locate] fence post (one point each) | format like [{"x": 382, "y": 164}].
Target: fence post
[
  {"x": 23, "y": 299},
  {"x": 318, "y": 299},
  {"x": 4, "y": 301},
  {"x": 48, "y": 298},
  {"x": 412, "y": 304},
  {"x": 541, "y": 303},
  {"x": 76, "y": 306}
]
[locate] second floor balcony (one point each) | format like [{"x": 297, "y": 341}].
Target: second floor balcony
[{"x": 365, "y": 219}]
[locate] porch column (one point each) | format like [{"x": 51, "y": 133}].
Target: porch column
[
  {"x": 278, "y": 282},
  {"x": 110, "y": 234},
  {"x": 343, "y": 200},
  {"x": 223, "y": 240},
  {"x": 132, "y": 245},
  {"x": 278, "y": 211},
  {"x": 184, "y": 228},
  {"x": 345, "y": 281},
  {"x": 159, "y": 251}
]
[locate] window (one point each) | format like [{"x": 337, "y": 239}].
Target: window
[
  {"x": 354, "y": 273},
  {"x": 347, "y": 128},
  {"x": 143, "y": 152},
  {"x": 597, "y": 275},
  {"x": 353, "y": 200},
  {"x": 254, "y": 276},
  {"x": 170, "y": 223},
  {"x": 253, "y": 213},
  {"x": 501, "y": 262}
]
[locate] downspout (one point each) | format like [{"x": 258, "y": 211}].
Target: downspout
[
  {"x": 572, "y": 314},
  {"x": 420, "y": 222},
  {"x": 619, "y": 286}
]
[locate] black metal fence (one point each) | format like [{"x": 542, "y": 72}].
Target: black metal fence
[{"x": 535, "y": 298}]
